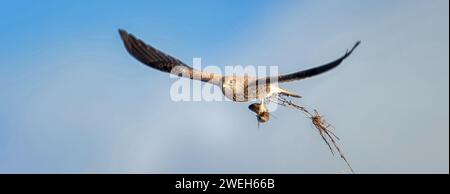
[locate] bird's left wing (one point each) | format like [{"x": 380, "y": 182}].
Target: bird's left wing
[
  {"x": 156, "y": 59},
  {"x": 307, "y": 73}
]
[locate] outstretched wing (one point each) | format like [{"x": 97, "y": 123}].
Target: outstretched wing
[
  {"x": 309, "y": 72},
  {"x": 156, "y": 59}
]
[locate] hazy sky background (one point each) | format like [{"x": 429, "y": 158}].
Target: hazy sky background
[{"x": 73, "y": 101}]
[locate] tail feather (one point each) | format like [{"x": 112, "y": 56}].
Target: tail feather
[{"x": 289, "y": 93}]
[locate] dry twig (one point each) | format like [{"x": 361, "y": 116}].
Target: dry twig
[{"x": 319, "y": 123}]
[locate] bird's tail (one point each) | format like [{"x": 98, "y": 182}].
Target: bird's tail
[{"x": 288, "y": 93}]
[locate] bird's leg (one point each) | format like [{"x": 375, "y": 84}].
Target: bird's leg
[
  {"x": 257, "y": 114},
  {"x": 263, "y": 106},
  {"x": 258, "y": 121}
]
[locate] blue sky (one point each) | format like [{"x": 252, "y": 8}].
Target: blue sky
[{"x": 72, "y": 100}]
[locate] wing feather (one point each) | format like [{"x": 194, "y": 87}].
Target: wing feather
[
  {"x": 309, "y": 72},
  {"x": 156, "y": 59}
]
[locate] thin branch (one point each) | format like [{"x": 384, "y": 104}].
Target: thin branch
[{"x": 319, "y": 123}]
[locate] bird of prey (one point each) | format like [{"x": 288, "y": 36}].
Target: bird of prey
[
  {"x": 235, "y": 88},
  {"x": 243, "y": 88}
]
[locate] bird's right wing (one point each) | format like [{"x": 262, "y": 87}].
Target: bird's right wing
[{"x": 156, "y": 59}]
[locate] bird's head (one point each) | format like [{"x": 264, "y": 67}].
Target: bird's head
[
  {"x": 229, "y": 85},
  {"x": 229, "y": 82}
]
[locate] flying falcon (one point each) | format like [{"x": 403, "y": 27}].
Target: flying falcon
[
  {"x": 243, "y": 88},
  {"x": 236, "y": 88}
]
